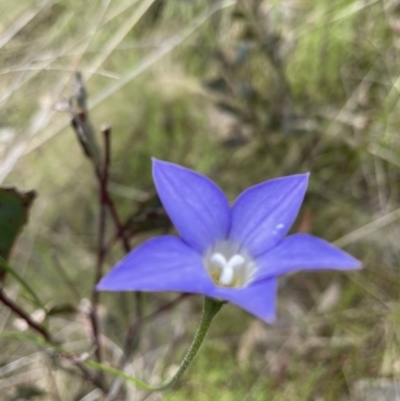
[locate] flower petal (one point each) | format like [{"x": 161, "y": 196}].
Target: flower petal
[
  {"x": 303, "y": 252},
  {"x": 259, "y": 298},
  {"x": 164, "y": 263},
  {"x": 262, "y": 215},
  {"x": 196, "y": 206}
]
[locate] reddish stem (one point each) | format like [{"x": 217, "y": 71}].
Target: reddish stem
[{"x": 25, "y": 316}]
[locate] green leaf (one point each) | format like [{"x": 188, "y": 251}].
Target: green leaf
[{"x": 14, "y": 207}]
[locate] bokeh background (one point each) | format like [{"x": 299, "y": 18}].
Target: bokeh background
[{"x": 242, "y": 91}]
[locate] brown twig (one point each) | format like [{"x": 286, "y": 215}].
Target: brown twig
[
  {"x": 103, "y": 181},
  {"x": 86, "y": 136},
  {"x": 25, "y": 316},
  {"x": 84, "y": 131},
  {"x": 117, "y": 222},
  {"x": 87, "y": 139}
]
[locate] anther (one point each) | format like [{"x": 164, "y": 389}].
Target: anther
[
  {"x": 235, "y": 260},
  {"x": 219, "y": 260}
]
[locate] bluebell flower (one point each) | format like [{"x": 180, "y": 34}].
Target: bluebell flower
[{"x": 231, "y": 253}]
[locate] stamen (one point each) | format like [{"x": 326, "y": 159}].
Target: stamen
[
  {"x": 219, "y": 260},
  {"x": 235, "y": 260}
]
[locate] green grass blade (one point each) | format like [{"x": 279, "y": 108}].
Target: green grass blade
[{"x": 4, "y": 267}]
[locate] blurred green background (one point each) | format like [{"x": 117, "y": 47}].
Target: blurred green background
[{"x": 242, "y": 91}]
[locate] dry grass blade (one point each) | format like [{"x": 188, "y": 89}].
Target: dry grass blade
[
  {"x": 166, "y": 47},
  {"x": 363, "y": 231},
  {"x": 118, "y": 37},
  {"x": 43, "y": 116},
  {"x": 22, "y": 21}
]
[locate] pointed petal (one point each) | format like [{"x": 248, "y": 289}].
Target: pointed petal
[
  {"x": 304, "y": 252},
  {"x": 258, "y": 298},
  {"x": 164, "y": 263},
  {"x": 262, "y": 215},
  {"x": 196, "y": 206}
]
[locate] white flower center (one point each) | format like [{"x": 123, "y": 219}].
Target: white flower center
[{"x": 228, "y": 266}]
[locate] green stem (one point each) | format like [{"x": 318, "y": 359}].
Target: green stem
[{"x": 210, "y": 309}]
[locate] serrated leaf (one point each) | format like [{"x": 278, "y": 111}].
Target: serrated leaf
[{"x": 14, "y": 208}]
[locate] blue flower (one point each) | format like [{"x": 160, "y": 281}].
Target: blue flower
[{"x": 233, "y": 253}]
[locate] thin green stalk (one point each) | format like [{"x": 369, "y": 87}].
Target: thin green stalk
[{"x": 5, "y": 267}]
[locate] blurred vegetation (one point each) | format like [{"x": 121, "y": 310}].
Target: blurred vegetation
[{"x": 253, "y": 90}]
